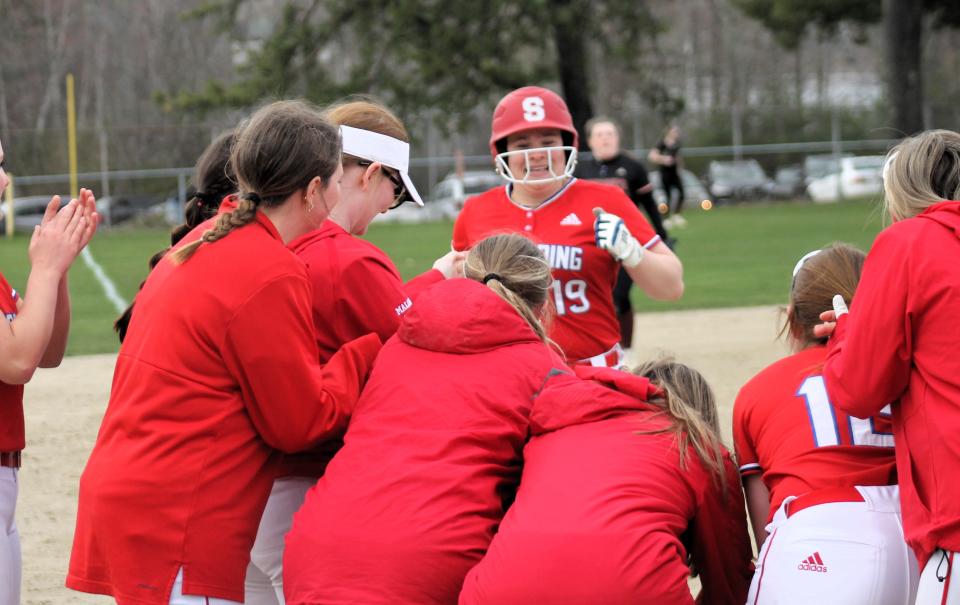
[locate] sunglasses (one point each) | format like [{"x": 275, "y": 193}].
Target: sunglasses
[{"x": 399, "y": 189}]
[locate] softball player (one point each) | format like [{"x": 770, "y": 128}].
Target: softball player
[
  {"x": 821, "y": 482},
  {"x": 586, "y": 230},
  {"x": 219, "y": 371},
  {"x": 35, "y": 335},
  {"x": 899, "y": 344},
  {"x": 357, "y": 290},
  {"x": 412, "y": 500},
  {"x": 614, "y": 509}
]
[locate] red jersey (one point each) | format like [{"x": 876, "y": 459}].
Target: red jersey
[
  {"x": 11, "y": 395},
  {"x": 786, "y": 429},
  {"x": 357, "y": 287},
  {"x": 218, "y": 371},
  {"x": 605, "y": 514},
  {"x": 899, "y": 343},
  {"x": 584, "y": 275}
]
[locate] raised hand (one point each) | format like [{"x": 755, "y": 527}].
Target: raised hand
[{"x": 613, "y": 236}]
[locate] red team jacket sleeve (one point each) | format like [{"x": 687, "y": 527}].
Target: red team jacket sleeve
[
  {"x": 376, "y": 298},
  {"x": 869, "y": 354},
  {"x": 269, "y": 347},
  {"x": 721, "y": 549},
  {"x": 747, "y": 458}
]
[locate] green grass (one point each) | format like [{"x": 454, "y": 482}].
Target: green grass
[{"x": 732, "y": 256}]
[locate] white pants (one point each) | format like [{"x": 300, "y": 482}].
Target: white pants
[
  {"x": 10, "y": 562},
  {"x": 939, "y": 582},
  {"x": 837, "y": 552},
  {"x": 178, "y": 598},
  {"x": 264, "y": 585}
]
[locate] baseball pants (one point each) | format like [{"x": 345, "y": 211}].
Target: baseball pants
[
  {"x": 178, "y": 598},
  {"x": 264, "y": 583},
  {"x": 939, "y": 582},
  {"x": 837, "y": 552},
  {"x": 10, "y": 562}
]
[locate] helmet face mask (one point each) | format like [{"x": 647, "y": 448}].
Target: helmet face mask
[
  {"x": 533, "y": 108},
  {"x": 556, "y": 174}
]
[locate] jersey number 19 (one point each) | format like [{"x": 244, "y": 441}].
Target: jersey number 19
[{"x": 823, "y": 419}]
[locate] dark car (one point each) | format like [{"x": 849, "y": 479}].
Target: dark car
[{"x": 737, "y": 180}]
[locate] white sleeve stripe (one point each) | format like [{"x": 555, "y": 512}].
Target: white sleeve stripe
[
  {"x": 653, "y": 242},
  {"x": 753, "y": 466}
]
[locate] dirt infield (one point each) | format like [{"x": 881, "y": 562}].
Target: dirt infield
[{"x": 64, "y": 408}]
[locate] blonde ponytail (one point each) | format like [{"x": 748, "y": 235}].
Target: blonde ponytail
[
  {"x": 513, "y": 267},
  {"x": 692, "y": 407}
]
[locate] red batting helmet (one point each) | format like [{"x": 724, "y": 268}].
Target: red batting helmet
[{"x": 527, "y": 108}]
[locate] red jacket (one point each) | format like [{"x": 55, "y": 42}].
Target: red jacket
[
  {"x": 410, "y": 503},
  {"x": 11, "y": 395},
  {"x": 358, "y": 288},
  {"x": 604, "y": 514},
  {"x": 218, "y": 371},
  {"x": 901, "y": 344}
]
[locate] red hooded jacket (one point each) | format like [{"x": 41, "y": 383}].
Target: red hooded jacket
[
  {"x": 412, "y": 500},
  {"x": 604, "y": 514},
  {"x": 218, "y": 371},
  {"x": 900, "y": 343}
]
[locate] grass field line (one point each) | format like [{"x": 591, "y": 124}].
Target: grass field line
[{"x": 109, "y": 288}]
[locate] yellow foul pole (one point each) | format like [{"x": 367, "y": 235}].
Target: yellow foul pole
[{"x": 72, "y": 137}]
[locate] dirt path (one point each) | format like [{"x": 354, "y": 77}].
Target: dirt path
[{"x": 64, "y": 408}]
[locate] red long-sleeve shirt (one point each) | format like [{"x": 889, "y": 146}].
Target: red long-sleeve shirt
[
  {"x": 218, "y": 371},
  {"x": 900, "y": 344},
  {"x": 605, "y": 514}
]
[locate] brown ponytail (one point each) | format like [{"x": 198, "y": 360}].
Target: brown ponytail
[
  {"x": 281, "y": 149},
  {"x": 513, "y": 267},
  {"x": 834, "y": 270},
  {"x": 692, "y": 407}
]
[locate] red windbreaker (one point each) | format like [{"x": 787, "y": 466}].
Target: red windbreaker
[
  {"x": 218, "y": 371},
  {"x": 900, "y": 344},
  {"x": 604, "y": 514},
  {"x": 410, "y": 503}
]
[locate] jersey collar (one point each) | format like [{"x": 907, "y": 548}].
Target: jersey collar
[{"x": 550, "y": 199}]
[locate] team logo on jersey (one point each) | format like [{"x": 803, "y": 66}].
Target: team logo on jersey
[
  {"x": 571, "y": 219},
  {"x": 621, "y": 172},
  {"x": 569, "y": 258},
  {"x": 813, "y": 563},
  {"x": 402, "y": 307}
]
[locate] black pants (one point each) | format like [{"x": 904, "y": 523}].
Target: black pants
[
  {"x": 671, "y": 181},
  {"x": 623, "y": 307}
]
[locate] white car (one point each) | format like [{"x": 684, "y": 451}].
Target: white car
[
  {"x": 446, "y": 198},
  {"x": 858, "y": 176}
]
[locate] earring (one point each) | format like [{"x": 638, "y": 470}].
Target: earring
[{"x": 308, "y": 203}]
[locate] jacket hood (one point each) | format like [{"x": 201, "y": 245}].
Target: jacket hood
[
  {"x": 463, "y": 316},
  {"x": 945, "y": 213},
  {"x": 589, "y": 395}
]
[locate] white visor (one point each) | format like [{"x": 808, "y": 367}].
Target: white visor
[
  {"x": 377, "y": 147},
  {"x": 556, "y": 174}
]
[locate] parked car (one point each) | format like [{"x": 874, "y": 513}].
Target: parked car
[
  {"x": 737, "y": 180},
  {"x": 446, "y": 198},
  {"x": 788, "y": 183},
  {"x": 818, "y": 166},
  {"x": 28, "y": 210},
  {"x": 693, "y": 190},
  {"x": 857, "y": 176}
]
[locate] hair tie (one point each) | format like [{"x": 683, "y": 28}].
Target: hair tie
[
  {"x": 253, "y": 197},
  {"x": 490, "y": 276}
]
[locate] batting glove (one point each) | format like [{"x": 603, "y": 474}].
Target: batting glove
[
  {"x": 839, "y": 306},
  {"x": 614, "y": 237}
]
